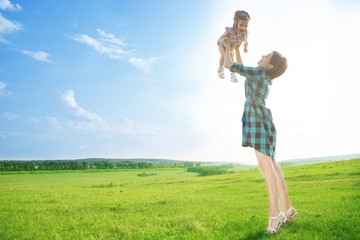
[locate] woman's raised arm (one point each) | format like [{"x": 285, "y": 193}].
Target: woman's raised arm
[
  {"x": 238, "y": 57},
  {"x": 227, "y": 58}
]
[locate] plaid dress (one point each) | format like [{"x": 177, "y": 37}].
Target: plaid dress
[{"x": 258, "y": 128}]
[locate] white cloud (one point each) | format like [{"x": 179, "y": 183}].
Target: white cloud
[
  {"x": 107, "y": 45},
  {"x": 109, "y": 37},
  {"x": 81, "y": 147},
  {"x": 93, "y": 122},
  {"x": 69, "y": 98},
  {"x": 52, "y": 122},
  {"x": 115, "y": 48},
  {"x": 3, "y": 92},
  {"x": 123, "y": 24},
  {"x": 8, "y": 27},
  {"x": 145, "y": 65},
  {"x": 39, "y": 55},
  {"x": 7, "y": 5},
  {"x": 3, "y": 135},
  {"x": 9, "y": 116}
]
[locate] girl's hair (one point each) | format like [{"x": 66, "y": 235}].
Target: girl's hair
[
  {"x": 280, "y": 65},
  {"x": 240, "y": 15}
]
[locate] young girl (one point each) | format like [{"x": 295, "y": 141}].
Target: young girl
[
  {"x": 259, "y": 130},
  {"x": 237, "y": 35}
]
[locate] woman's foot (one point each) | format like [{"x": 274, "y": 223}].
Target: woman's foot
[
  {"x": 275, "y": 223},
  {"x": 290, "y": 214},
  {"x": 220, "y": 72}
]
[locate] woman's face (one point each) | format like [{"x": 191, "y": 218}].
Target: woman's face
[
  {"x": 242, "y": 25},
  {"x": 265, "y": 60}
]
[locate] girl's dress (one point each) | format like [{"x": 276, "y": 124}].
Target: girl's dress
[
  {"x": 258, "y": 128},
  {"x": 235, "y": 38}
]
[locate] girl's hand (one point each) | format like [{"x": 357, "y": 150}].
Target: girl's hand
[{"x": 245, "y": 47}]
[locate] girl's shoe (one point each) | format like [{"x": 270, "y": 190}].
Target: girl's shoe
[
  {"x": 221, "y": 72},
  {"x": 281, "y": 218},
  {"x": 233, "y": 77},
  {"x": 290, "y": 216}
]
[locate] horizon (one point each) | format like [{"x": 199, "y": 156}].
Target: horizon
[{"x": 331, "y": 158}]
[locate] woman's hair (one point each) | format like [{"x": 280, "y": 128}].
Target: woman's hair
[{"x": 280, "y": 65}]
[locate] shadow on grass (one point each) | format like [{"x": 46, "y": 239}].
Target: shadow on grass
[{"x": 253, "y": 236}]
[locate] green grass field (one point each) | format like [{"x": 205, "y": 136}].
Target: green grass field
[{"x": 175, "y": 204}]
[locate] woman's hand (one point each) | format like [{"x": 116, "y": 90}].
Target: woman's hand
[{"x": 226, "y": 42}]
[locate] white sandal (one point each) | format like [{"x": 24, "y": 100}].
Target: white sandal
[
  {"x": 282, "y": 219},
  {"x": 233, "y": 77},
  {"x": 220, "y": 72},
  {"x": 288, "y": 216}
]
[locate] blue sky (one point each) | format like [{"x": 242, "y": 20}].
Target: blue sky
[{"x": 138, "y": 79}]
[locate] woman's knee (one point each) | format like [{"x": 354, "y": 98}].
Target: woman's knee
[
  {"x": 265, "y": 162},
  {"x": 266, "y": 167}
]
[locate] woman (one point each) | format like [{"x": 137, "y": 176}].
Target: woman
[{"x": 259, "y": 130}]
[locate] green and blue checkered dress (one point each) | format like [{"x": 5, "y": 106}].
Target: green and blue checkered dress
[{"x": 258, "y": 128}]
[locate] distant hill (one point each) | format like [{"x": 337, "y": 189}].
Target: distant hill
[
  {"x": 304, "y": 161},
  {"x": 285, "y": 163},
  {"x": 114, "y": 160}
]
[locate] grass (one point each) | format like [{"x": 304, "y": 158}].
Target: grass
[{"x": 175, "y": 204}]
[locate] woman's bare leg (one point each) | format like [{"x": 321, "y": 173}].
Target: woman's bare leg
[
  {"x": 284, "y": 198},
  {"x": 266, "y": 165}
]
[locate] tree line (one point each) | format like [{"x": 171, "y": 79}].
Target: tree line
[{"x": 84, "y": 165}]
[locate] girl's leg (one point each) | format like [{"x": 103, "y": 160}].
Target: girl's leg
[
  {"x": 220, "y": 71},
  {"x": 222, "y": 51},
  {"x": 284, "y": 198}
]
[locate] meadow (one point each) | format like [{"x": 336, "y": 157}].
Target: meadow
[{"x": 176, "y": 204}]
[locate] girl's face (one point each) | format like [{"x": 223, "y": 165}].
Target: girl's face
[
  {"x": 266, "y": 61},
  {"x": 242, "y": 25}
]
